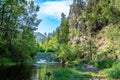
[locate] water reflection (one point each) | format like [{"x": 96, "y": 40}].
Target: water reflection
[
  {"x": 27, "y": 72},
  {"x": 18, "y": 72},
  {"x": 44, "y": 69}
]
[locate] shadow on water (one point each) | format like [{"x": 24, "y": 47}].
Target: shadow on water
[
  {"x": 27, "y": 72},
  {"x": 16, "y": 72}
]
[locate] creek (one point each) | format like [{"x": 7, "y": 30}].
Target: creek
[{"x": 36, "y": 71}]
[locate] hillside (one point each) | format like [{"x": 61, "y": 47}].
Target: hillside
[{"x": 88, "y": 24}]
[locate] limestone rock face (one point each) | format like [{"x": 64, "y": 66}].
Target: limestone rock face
[{"x": 75, "y": 22}]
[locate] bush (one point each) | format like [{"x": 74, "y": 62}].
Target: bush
[
  {"x": 4, "y": 61},
  {"x": 114, "y": 72},
  {"x": 80, "y": 67},
  {"x": 69, "y": 74},
  {"x": 105, "y": 63}
]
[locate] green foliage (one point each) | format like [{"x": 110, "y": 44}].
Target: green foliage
[
  {"x": 114, "y": 71},
  {"x": 73, "y": 32},
  {"x": 95, "y": 15},
  {"x": 4, "y": 61},
  {"x": 65, "y": 52},
  {"x": 18, "y": 20},
  {"x": 113, "y": 32},
  {"x": 69, "y": 74},
  {"x": 117, "y": 4},
  {"x": 64, "y": 32},
  {"x": 113, "y": 36},
  {"x": 62, "y": 38},
  {"x": 105, "y": 63},
  {"x": 91, "y": 17},
  {"x": 50, "y": 45},
  {"x": 80, "y": 67},
  {"x": 101, "y": 55}
]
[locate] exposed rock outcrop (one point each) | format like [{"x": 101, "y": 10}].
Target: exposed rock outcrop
[{"x": 39, "y": 36}]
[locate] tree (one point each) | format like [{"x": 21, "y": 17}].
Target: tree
[
  {"x": 63, "y": 38},
  {"x": 64, "y": 32},
  {"x": 18, "y": 20}
]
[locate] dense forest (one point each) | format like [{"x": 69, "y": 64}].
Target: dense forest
[
  {"x": 18, "y": 21},
  {"x": 90, "y": 34}
]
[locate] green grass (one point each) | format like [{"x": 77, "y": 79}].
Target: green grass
[{"x": 69, "y": 74}]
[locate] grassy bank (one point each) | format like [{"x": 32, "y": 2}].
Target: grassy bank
[{"x": 69, "y": 74}]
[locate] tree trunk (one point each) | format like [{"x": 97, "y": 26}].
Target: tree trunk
[{"x": 63, "y": 61}]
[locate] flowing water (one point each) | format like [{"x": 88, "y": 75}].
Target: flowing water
[{"x": 27, "y": 72}]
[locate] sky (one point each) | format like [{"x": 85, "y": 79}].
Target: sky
[{"x": 50, "y": 13}]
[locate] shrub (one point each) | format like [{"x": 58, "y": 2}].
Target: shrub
[
  {"x": 114, "y": 72},
  {"x": 105, "y": 63},
  {"x": 80, "y": 67},
  {"x": 4, "y": 61}
]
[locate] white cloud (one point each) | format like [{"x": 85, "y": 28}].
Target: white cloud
[{"x": 55, "y": 8}]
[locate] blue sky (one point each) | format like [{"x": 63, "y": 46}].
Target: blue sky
[{"x": 50, "y": 13}]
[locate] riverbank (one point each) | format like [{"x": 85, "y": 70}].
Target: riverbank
[
  {"x": 8, "y": 62},
  {"x": 81, "y": 71},
  {"x": 56, "y": 71}
]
